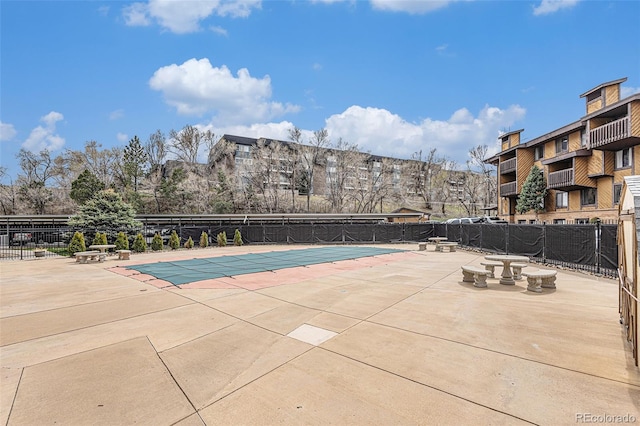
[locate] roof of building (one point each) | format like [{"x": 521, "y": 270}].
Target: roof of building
[
  {"x": 242, "y": 140},
  {"x": 510, "y": 133},
  {"x": 608, "y": 83}
]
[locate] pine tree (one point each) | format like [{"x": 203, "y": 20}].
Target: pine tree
[
  {"x": 534, "y": 190},
  {"x": 157, "y": 244},
  {"x": 204, "y": 240},
  {"x": 122, "y": 243},
  {"x": 237, "y": 238},
  {"x": 222, "y": 239},
  {"x": 77, "y": 243},
  {"x": 139, "y": 244},
  {"x": 189, "y": 244},
  {"x": 134, "y": 159},
  {"x": 106, "y": 210},
  {"x": 85, "y": 187},
  {"x": 174, "y": 240}
]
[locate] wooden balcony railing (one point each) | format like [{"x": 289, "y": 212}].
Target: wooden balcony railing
[
  {"x": 508, "y": 165},
  {"x": 507, "y": 189},
  {"x": 560, "y": 179},
  {"x": 610, "y": 132}
]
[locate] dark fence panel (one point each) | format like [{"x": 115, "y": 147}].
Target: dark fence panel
[
  {"x": 192, "y": 231},
  {"x": 453, "y": 233},
  {"x": 609, "y": 246},
  {"x": 359, "y": 232},
  {"x": 494, "y": 237},
  {"x": 275, "y": 234},
  {"x": 527, "y": 240},
  {"x": 388, "y": 233},
  {"x": 327, "y": 233},
  {"x": 301, "y": 233},
  {"x": 473, "y": 237},
  {"x": 571, "y": 244},
  {"x": 418, "y": 231}
]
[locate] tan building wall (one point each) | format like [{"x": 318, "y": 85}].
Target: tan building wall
[
  {"x": 612, "y": 94},
  {"x": 594, "y": 105},
  {"x": 575, "y": 141},
  {"x": 634, "y": 107}
]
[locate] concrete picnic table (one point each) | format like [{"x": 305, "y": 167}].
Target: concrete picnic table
[
  {"x": 103, "y": 248},
  {"x": 437, "y": 239},
  {"x": 507, "y": 259}
]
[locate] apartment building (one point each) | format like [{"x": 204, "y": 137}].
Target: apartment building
[
  {"x": 584, "y": 162},
  {"x": 331, "y": 173}
]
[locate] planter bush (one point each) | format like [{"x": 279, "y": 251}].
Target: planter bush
[
  {"x": 122, "y": 242},
  {"x": 174, "y": 240},
  {"x": 204, "y": 240},
  {"x": 157, "y": 244},
  {"x": 77, "y": 243},
  {"x": 139, "y": 244},
  {"x": 222, "y": 239},
  {"x": 189, "y": 243},
  {"x": 237, "y": 238}
]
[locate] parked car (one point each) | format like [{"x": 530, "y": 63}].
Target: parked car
[
  {"x": 493, "y": 219},
  {"x": 21, "y": 238},
  {"x": 464, "y": 220}
]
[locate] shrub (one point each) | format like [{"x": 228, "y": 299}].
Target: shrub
[
  {"x": 189, "y": 244},
  {"x": 222, "y": 239},
  {"x": 139, "y": 244},
  {"x": 204, "y": 240},
  {"x": 174, "y": 240},
  {"x": 77, "y": 243},
  {"x": 100, "y": 238},
  {"x": 157, "y": 244},
  {"x": 237, "y": 238},
  {"x": 122, "y": 242}
]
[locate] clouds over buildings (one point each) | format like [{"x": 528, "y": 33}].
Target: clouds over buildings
[
  {"x": 181, "y": 18},
  {"x": 196, "y": 87},
  {"x": 7, "y": 131},
  {"x": 45, "y": 137}
]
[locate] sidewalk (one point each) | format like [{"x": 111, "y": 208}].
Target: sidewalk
[{"x": 398, "y": 340}]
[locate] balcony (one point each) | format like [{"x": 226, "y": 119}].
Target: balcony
[
  {"x": 560, "y": 179},
  {"x": 509, "y": 189},
  {"x": 508, "y": 166},
  {"x": 610, "y": 133}
]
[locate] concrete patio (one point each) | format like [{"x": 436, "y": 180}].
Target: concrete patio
[{"x": 398, "y": 339}]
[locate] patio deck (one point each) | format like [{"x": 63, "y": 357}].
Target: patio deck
[{"x": 397, "y": 339}]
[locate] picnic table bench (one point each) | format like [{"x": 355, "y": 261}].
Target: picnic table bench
[
  {"x": 84, "y": 256},
  {"x": 541, "y": 278},
  {"x": 475, "y": 275},
  {"x": 123, "y": 254},
  {"x": 440, "y": 245}
]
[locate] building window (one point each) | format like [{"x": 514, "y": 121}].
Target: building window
[
  {"x": 583, "y": 138},
  {"x": 538, "y": 152},
  {"x": 562, "y": 144},
  {"x": 588, "y": 197},
  {"x": 559, "y": 221},
  {"x": 562, "y": 200},
  {"x": 522, "y": 222},
  {"x": 594, "y": 95},
  {"x": 617, "y": 192},
  {"x": 582, "y": 221},
  {"x": 623, "y": 158}
]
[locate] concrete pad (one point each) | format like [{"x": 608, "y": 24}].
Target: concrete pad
[
  {"x": 165, "y": 329},
  {"x": 311, "y": 334},
  {"x": 128, "y": 384},
  {"x": 333, "y": 322},
  {"x": 192, "y": 420},
  {"x": 201, "y": 295},
  {"x": 285, "y": 318},
  {"x": 528, "y": 390},
  {"x": 244, "y": 305},
  {"x": 39, "y": 324},
  {"x": 10, "y": 377},
  {"x": 321, "y": 388},
  {"x": 522, "y": 327},
  {"x": 220, "y": 363}
]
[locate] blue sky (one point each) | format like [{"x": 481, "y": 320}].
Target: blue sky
[{"x": 393, "y": 76}]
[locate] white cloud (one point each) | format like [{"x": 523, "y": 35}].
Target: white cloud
[
  {"x": 103, "y": 10},
  {"x": 219, "y": 30},
  {"x": 42, "y": 138},
  {"x": 410, "y": 6},
  {"x": 384, "y": 133},
  {"x": 551, "y": 6},
  {"x": 196, "y": 87},
  {"x": 122, "y": 137},
  {"x": 117, "y": 114},
  {"x": 180, "y": 17},
  {"x": 7, "y": 131},
  {"x": 316, "y": 66},
  {"x": 628, "y": 91}
]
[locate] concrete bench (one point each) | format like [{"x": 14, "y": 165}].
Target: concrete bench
[
  {"x": 422, "y": 246},
  {"x": 539, "y": 279},
  {"x": 440, "y": 246},
  {"x": 491, "y": 267},
  {"x": 517, "y": 270},
  {"x": 475, "y": 275},
  {"x": 123, "y": 254},
  {"x": 84, "y": 256}
]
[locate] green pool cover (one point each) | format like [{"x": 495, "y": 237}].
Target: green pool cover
[{"x": 187, "y": 271}]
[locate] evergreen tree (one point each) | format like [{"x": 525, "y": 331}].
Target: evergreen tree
[
  {"x": 85, "y": 187},
  {"x": 106, "y": 211},
  {"x": 204, "y": 240},
  {"x": 122, "y": 242},
  {"x": 100, "y": 238},
  {"x": 77, "y": 243},
  {"x": 134, "y": 159},
  {"x": 174, "y": 240},
  {"x": 157, "y": 244},
  {"x": 222, "y": 239},
  {"x": 139, "y": 244},
  {"x": 189, "y": 244},
  {"x": 534, "y": 190},
  {"x": 237, "y": 238}
]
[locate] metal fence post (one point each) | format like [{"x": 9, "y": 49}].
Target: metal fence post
[{"x": 598, "y": 246}]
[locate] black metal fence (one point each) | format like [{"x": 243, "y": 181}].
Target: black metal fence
[{"x": 590, "y": 247}]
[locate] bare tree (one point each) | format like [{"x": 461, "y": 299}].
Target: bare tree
[
  {"x": 37, "y": 171},
  {"x": 478, "y": 163},
  {"x": 342, "y": 173},
  {"x": 420, "y": 174},
  {"x": 310, "y": 155},
  {"x": 8, "y": 194},
  {"x": 265, "y": 174},
  {"x": 186, "y": 143}
]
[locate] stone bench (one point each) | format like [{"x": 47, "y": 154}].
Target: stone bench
[
  {"x": 491, "y": 267},
  {"x": 441, "y": 246},
  {"x": 84, "y": 256},
  {"x": 539, "y": 279},
  {"x": 123, "y": 254},
  {"x": 517, "y": 270},
  {"x": 422, "y": 246},
  {"x": 475, "y": 275}
]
